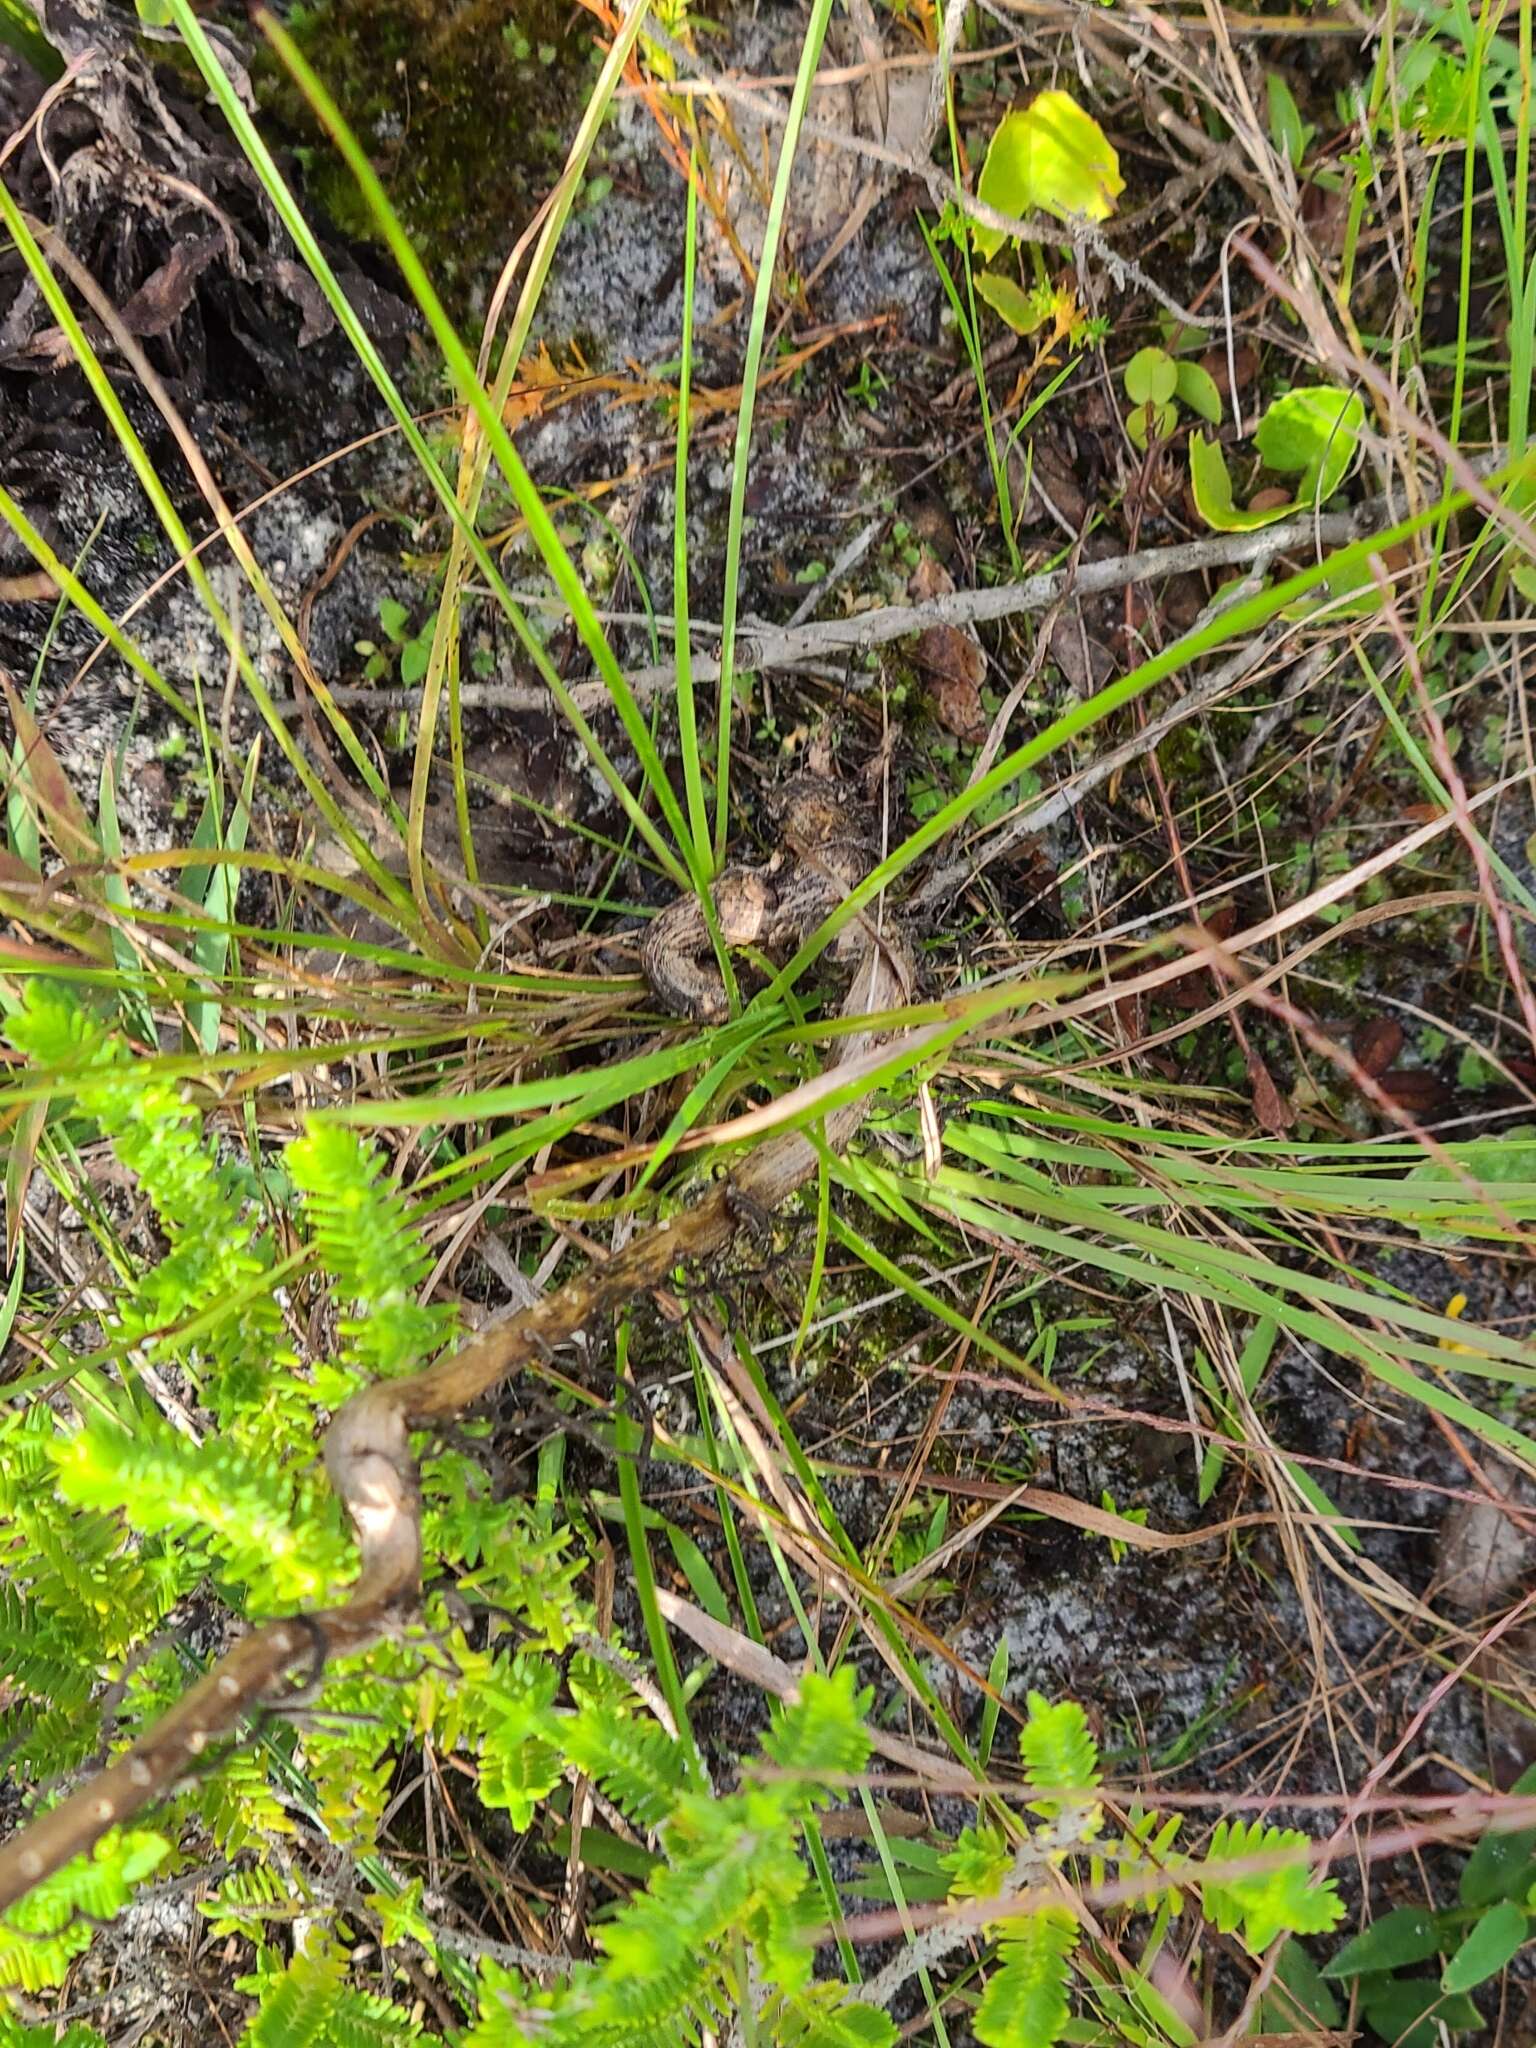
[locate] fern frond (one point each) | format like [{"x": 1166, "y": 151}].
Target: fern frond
[
  {"x": 249, "y": 1899},
  {"x": 1025, "y": 2003},
  {"x": 979, "y": 1863},
  {"x": 372, "y": 1250},
  {"x": 826, "y": 2017},
  {"x": 1061, "y": 1759},
  {"x": 273, "y": 1533},
  {"x": 15, "y": 2033},
  {"x": 637, "y": 1763},
  {"x": 297, "y": 2006},
  {"x": 521, "y": 1566},
  {"x": 238, "y": 1806},
  {"x": 217, "y": 1259},
  {"x": 43, "y": 1933},
  {"x": 360, "y": 2019},
  {"x": 822, "y": 1735},
  {"x": 1258, "y": 1905},
  {"x": 39, "y": 1659},
  {"x": 520, "y": 1762}
]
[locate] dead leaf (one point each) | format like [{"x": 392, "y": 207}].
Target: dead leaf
[
  {"x": 928, "y": 580},
  {"x": 315, "y": 315},
  {"x": 1192, "y": 991},
  {"x": 1417, "y": 1090},
  {"x": 66, "y": 822},
  {"x": 25, "y": 1134},
  {"x": 167, "y": 292},
  {"x": 954, "y": 667},
  {"x": 1274, "y": 1113},
  {"x": 1486, "y": 1548},
  {"x": 1376, "y": 1044},
  {"x": 1245, "y": 361},
  {"x": 1084, "y": 660}
]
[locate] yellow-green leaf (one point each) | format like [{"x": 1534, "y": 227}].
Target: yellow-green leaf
[
  {"x": 1151, "y": 377},
  {"x": 1314, "y": 429},
  {"x": 1213, "y": 492},
  {"x": 1008, "y": 299},
  {"x": 1048, "y": 157},
  {"x": 1199, "y": 391}
]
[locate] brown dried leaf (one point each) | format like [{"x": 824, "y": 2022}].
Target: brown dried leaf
[
  {"x": 1082, "y": 658},
  {"x": 1376, "y": 1044},
  {"x": 1486, "y": 1548},
  {"x": 1274, "y": 1113},
  {"x": 1192, "y": 991},
  {"x": 167, "y": 292},
  {"x": 954, "y": 666},
  {"x": 1417, "y": 1090},
  {"x": 929, "y": 579},
  {"x": 63, "y": 814},
  {"x": 25, "y": 1133},
  {"x": 1245, "y": 361}
]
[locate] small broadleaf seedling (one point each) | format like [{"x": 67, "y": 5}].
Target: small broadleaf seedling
[
  {"x": 1157, "y": 384},
  {"x": 1314, "y": 430}
]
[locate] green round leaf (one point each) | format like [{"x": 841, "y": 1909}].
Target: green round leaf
[
  {"x": 1213, "y": 492},
  {"x": 1151, "y": 377},
  {"x": 1009, "y": 300},
  {"x": 1503, "y": 1160},
  {"x": 1200, "y": 392},
  {"x": 1501, "y": 1933},
  {"x": 1407, "y": 1935},
  {"x": 1314, "y": 429},
  {"x": 1145, "y": 420},
  {"x": 1049, "y": 157}
]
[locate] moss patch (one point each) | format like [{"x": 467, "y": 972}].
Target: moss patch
[{"x": 464, "y": 111}]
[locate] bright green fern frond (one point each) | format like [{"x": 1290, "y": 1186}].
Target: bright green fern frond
[
  {"x": 56, "y": 1034},
  {"x": 275, "y": 1534},
  {"x": 520, "y": 1762},
  {"x": 637, "y": 1763},
  {"x": 522, "y": 1566},
  {"x": 1025, "y": 2003},
  {"x": 1261, "y": 1904},
  {"x": 360, "y": 2019},
  {"x": 1145, "y": 1849},
  {"x": 238, "y": 1806},
  {"x": 822, "y": 1735},
  {"x": 249, "y": 1900},
  {"x": 825, "y": 2017},
  {"x": 371, "y": 1250},
  {"x": 213, "y": 1274},
  {"x": 15, "y": 2033},
  {"x": 42, "y": 1933},
  {"x": 979, "y": 1863},
  {"x": 298, "y": 2003},
  {"x": 39, "y": 1658},
  {"x": 1060, "y": 1758}
]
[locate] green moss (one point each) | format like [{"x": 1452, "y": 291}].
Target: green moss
[{"x": 461, "y": 107}]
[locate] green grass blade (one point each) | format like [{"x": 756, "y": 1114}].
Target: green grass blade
[{"x": 762, "y": 305}]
